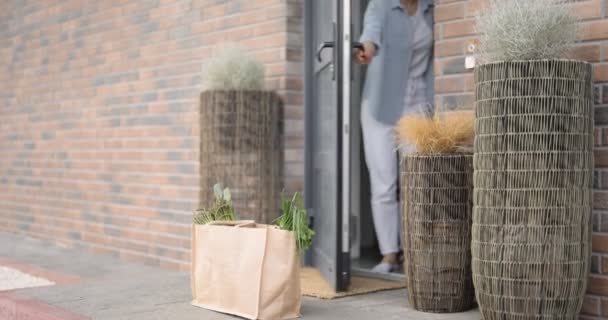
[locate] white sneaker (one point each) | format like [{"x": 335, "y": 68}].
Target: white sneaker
[{"x": 385, "y": 267}]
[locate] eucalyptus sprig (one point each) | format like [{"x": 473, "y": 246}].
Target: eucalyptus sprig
[
  {"x": 295, "y": 218},
  {"x": 222, "y": 209}
]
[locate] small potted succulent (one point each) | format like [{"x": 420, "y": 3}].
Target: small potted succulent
[
  {"x": 437, "y": 190},
  {"x": 533, "y": 163}
]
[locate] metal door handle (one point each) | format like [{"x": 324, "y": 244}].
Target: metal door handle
[
  {"x": 331, "y": 44},
  {"x": 358, "y": 45},
  {"x": 323, "y": 46}
]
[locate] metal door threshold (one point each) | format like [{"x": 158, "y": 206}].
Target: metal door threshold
[{"x": 367, "y": 273}]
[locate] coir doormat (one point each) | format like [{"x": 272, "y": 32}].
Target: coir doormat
[{"x": 314, "y": 285}]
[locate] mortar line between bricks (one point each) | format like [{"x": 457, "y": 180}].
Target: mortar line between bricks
[
  {"x": 109, "y": 205},
  {"x": 158, "y": 102},
  {"x": 76, "y": 159},
  {"x": 127, "y": 185},
  {"x": 152, "y": 67},
  {"x": 58, "y": 228},
  {"x": 147, "y": 219},
  {"x": 46, "y": 236},
  {"x": 122, "y": 226},
  {"x": 197, "y": 88},
  {"x": 202, "y": 19},
  {"x": 107, "y": 163},
  {"x": 152, "y": 103},
  {"x": 113, "y": 226},
  {"x": 120, "y": 161},
  {"x": 102, "y": 134},
  {"x": 146, "y": 244},
  {"x": 122, "y": 49},
  {"x": 194, "y": 175},
  {"x": 125, "y": 175},
  {"x": 101, "y": 13}
]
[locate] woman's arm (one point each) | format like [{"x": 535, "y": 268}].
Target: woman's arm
[{"x": 372, "y": 24}]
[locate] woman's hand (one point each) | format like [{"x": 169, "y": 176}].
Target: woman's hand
[{"x": 366, "y": 55}]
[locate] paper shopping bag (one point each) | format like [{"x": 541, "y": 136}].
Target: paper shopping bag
[{"x": 245, "y": 269}]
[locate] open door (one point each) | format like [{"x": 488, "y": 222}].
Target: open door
[{"x": 327, "y": 86}]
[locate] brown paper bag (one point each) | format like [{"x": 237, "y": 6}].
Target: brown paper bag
[{"x": 245, "y": 269}]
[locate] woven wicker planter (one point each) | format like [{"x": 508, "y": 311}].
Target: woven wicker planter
[
  {"x": 240, "y": 146},
  {"x": 533, "y": 181},
  {"x": 437, "y": 192}
]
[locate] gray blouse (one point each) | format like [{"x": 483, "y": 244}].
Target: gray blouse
[
  {"x": 389, "y": 26},
  {"x": 422, "y": 45}
]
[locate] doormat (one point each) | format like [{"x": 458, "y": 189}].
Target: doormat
[
  {"x": 11, "y": 279},
  {"x": 314, "y": 285}
]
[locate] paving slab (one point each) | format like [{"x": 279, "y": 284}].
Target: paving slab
[{"x": 107, "y": 288}]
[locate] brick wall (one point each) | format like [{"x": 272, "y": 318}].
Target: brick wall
[
  {"x": 454, "y": 31},
  {"x": 99, "y": 123}
]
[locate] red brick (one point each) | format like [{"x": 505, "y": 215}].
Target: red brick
[
  {"x": 600, "y": 72},
  {"x": 458, "y": 28},
  {"x": 594, "y": 30},
  {"x": 600, "y": 200},
  {"x": 450, "y": 48},
  {"x": 449, "y": 85},
  {"x": 591, "y": 306},
  {"x": 600, "y": 243},
  {"x": 598, "y": 285},
  {"x": 590, "y": 53},
  {"x": 469, "y": 82},
  {"x": 604, "y": 307},
  {"x": 605, "y": 52},
  {"x": 587, "y": 9},
  {"x": 449, "y": 12},
  {"x": 475, "y": 7}
]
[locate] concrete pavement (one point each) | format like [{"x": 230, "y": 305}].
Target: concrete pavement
[{"x": 111, "y": 289}]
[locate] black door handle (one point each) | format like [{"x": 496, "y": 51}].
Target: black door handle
[
  {"x": 331, "y": 44},
  {"x": 323, "y": 46},
  {"x": 358, "y": 45}
]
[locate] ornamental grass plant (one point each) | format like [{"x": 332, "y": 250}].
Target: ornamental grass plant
[
  {"x": 525, "y": 30},
  {"x": 232, "y": 68},
  {"x": 445, "y": 132}
]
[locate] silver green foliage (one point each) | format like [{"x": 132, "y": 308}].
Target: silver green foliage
[
  {"x": 525, "y": 30},
  {"x": 232, "y": 68}
]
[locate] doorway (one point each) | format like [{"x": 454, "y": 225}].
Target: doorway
[
  {"x": 337, "y": 187},
  {"x": 365, "y": 253}
]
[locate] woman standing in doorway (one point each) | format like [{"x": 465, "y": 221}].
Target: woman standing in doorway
[{"x": 397, "y": 43}]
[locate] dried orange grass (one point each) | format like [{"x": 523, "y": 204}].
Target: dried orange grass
[{"x": 446, "y": 132}]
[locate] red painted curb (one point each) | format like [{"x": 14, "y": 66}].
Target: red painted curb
[
  {"x": 56, "y": 277},
  {"x": 14, "y": 307}
]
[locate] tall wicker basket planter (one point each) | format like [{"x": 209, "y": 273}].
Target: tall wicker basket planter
[
  {"x": 240, "y": 146},
  {"x": 533, "y": 187},
  {"x": 437, "y": 202}
]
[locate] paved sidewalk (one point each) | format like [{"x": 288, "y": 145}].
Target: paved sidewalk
[{"x": 112, "y": 289}]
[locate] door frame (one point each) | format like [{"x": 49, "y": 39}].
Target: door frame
[
  {"x": 357, "y": 161},
  {"x": 342, "y": 40}
]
